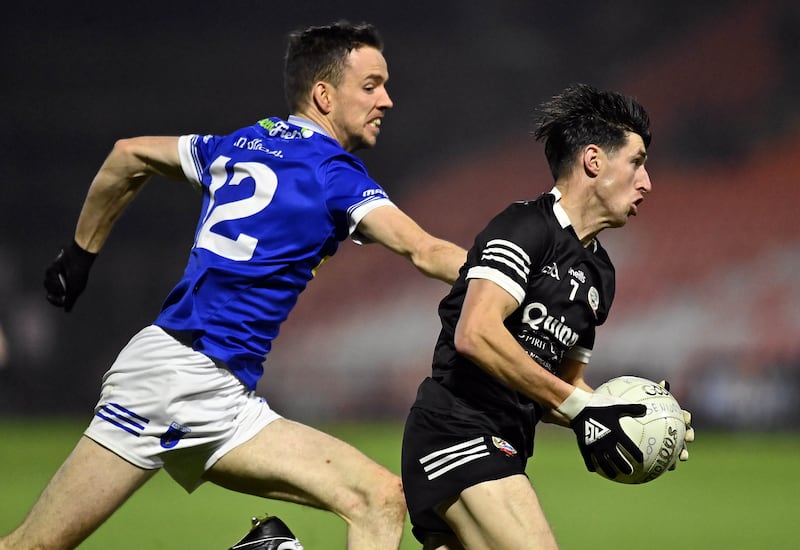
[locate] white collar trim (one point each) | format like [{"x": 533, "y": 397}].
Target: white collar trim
[
  {"x": 558, "y": 210},
  {"x": 305, "y": 123}
]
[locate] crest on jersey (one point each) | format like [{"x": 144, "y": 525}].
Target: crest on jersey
[
  {"x": 594, "y": 299},
  {"x": 174, "y": 433},
  {"x": 504, "y": 446}
]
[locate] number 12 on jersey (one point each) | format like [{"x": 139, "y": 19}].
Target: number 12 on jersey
[{"x": 243, "y": 246}]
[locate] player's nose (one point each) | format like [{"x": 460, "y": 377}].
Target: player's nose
[
  {"x": 385, "y": 100},
  {"x": 644, "y": 184}
]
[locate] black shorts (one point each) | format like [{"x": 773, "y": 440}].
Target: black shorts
[{"x": 443, "y": 454}]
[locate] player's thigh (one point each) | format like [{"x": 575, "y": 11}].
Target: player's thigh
[
  {"x": 503, "y": 513},
  {"x": 290, "y": 461}
]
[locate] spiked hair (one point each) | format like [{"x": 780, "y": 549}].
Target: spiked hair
[{"x": 582, "y": 115}]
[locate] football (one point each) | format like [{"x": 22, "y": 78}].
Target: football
[{"x": 659, "y": 433}]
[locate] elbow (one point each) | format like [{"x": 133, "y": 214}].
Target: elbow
[
  {"x": 468, "y": 342},
  {"x": 127, "y": 162},
  {"x": 124, "y": 148},
  {"x": 424, "y": 256},
  {"x": 438, "y": 259}
]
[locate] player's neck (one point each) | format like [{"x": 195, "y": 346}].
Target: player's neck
[
  {"x": 578, "y": 210},
  {"x": 321, "y": 121}
]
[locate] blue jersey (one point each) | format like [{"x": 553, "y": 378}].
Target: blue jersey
[{"x": 278, "y": 197}]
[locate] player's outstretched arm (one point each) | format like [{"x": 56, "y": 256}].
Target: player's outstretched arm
[
  {"x": 120, "y": 178},
  {"x": 434, "y": 257}
]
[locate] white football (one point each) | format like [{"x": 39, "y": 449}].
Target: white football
[{"x": 659, "y": 433}]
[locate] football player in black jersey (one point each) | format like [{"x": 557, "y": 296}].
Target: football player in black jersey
[{"x": 518, "y": 328}]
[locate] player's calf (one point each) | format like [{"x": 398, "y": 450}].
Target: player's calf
[{"x": 269, "y": 533}]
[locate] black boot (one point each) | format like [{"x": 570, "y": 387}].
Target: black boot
[{"x": 269, "y": 533}]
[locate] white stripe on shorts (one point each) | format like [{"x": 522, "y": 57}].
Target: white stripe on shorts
[{"x": 442, "y": 461}]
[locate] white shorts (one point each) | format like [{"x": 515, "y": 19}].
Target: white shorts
[{"x": 163, "y": 404}]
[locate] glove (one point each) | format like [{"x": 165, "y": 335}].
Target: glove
[
  {"x": 689, "y": 436},
  {"x": 66, "y": 277},
  {"x": 595, "y": 420}
]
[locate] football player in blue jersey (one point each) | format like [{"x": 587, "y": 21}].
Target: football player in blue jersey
[
  {"x": 277, "y": 198},
  {"x": 517, "y": 332}
]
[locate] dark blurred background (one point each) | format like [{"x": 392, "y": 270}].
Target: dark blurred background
[{"x": 707, "y": 274}]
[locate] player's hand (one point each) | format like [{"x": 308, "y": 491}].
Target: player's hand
[
  {"x": 66, "y": 277},
  {"x": 595, "y": 420},
  {"x": 689, "y": 435}
]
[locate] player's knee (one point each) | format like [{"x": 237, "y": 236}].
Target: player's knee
[
  {"x": 382, "y": 498},
  {"x": 391, "y": 498}
]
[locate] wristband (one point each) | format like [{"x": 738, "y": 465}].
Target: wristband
[{"x": 574, "y": 404}]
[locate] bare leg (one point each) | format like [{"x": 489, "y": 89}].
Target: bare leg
[
  {"x": 296, "y": 463},
  {"x": 88, "y": 487},
  {"x": 500, "y": 514}
]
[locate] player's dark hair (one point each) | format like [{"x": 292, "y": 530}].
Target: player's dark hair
[
  {"x": 319, "y": 53},
  {"x": 582, "y": 115}
]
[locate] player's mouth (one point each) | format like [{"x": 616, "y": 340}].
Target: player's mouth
[
  {"x": 375, "y": 123},
  {"x": 635, "y": 207}
]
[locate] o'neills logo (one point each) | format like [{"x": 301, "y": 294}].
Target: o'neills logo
[{"x": 665, "y": 454}]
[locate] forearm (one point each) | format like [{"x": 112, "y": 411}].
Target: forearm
[
  {"x": 571, "y": 371},
  {"x": 440, "y": 260},
  {"x": 498, "y": 353},
  {"x": 432, "y": 256},
  {"x": 107, "y": 198}
]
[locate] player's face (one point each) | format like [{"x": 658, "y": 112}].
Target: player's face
[
  {"x": 361, "y": 99},
  {"x": 623, "y": 182}
]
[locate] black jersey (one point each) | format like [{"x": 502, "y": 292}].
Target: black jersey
[{"x": 564, "y": 291}]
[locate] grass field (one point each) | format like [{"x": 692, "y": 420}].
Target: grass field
[{"x": 736, "y": 492}]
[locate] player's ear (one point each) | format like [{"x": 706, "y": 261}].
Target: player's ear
[
  {"x": 322, "y": 95},
  {"x": 591, "y": 160}
]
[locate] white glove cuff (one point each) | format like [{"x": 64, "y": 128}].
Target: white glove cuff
[{"x": 574, "y": 404}]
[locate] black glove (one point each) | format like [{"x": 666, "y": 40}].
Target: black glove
[
  {"x": 595, "y": 420},
  {"x": 66, "y": 277}
]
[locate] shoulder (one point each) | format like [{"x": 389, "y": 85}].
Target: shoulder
[
  {"x": 530, "y": 218},
  {"x": 540, "y": 208}
]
